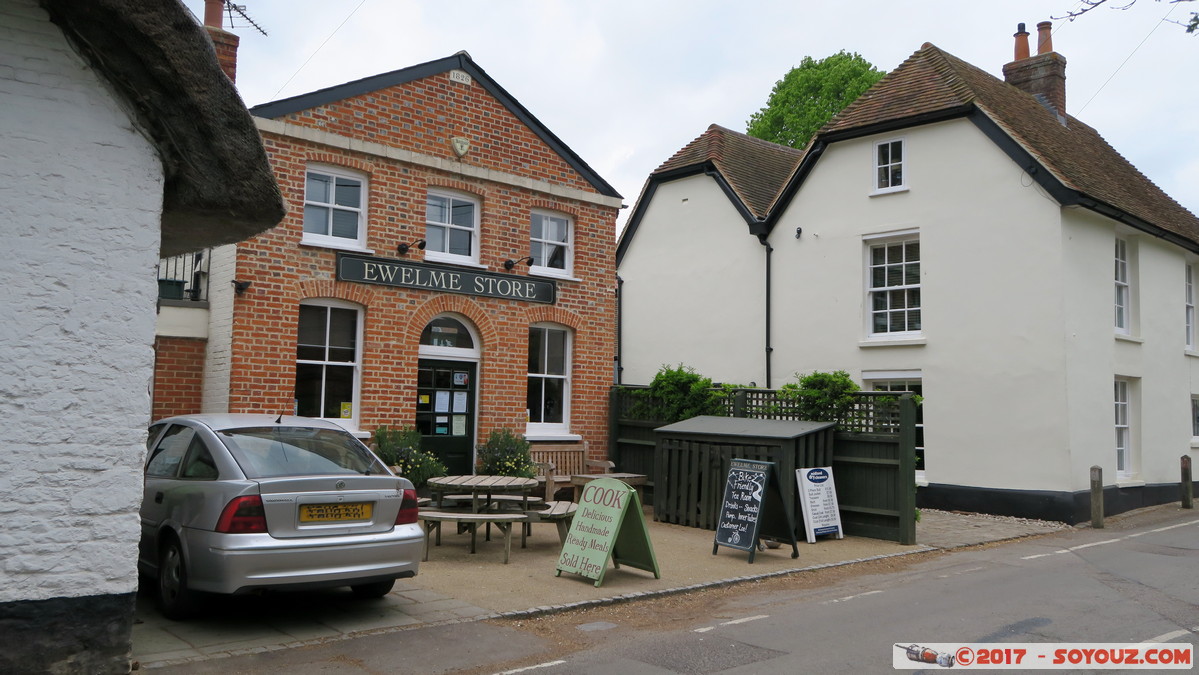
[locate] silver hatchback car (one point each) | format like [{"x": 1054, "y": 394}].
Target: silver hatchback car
[{"x": 236, "y": 503}]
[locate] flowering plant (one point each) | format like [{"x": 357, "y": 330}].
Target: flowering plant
[
  {"x": 400, "y": 449},
  {"x": 506, "y": 454}
]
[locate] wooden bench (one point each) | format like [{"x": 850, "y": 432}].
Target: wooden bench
[
  {"x": 568, "y": 459},
  {"x": 432, "y": 520}
]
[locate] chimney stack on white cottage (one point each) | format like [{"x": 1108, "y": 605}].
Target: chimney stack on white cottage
[{"x": 1043, "y": 75}]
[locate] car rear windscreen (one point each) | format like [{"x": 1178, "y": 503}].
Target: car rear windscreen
[{"x": 267, "y": 452}]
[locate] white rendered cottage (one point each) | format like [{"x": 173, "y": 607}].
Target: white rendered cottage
[
  {"x": 951, "y": 234},
  {"x": 121, "y": 141}
]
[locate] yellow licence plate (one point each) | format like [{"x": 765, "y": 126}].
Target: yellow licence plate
[{"x": 324, "y": 513}]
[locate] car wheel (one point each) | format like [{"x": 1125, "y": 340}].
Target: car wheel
[
  {"x": 175, "y": 599},
  {"x": 377, "y": 589}
]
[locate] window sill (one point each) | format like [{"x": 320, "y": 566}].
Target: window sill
[
  {"x": 913, "y": 341},
  {"x": 1129, "y": 338},
  {"x": 921, "y": 480},
  {"x": 1194, "y": 443},
  {"x": 336, "y": 246},
  {"x": 534, "y": 272},
  {"x": 449, "y": 260},
  {"x": 1190, "y": 352},
  {"x": 889, "y": 191},
  {"x": 552, "y": 437},
  {"x": 1129, "y": 482}
]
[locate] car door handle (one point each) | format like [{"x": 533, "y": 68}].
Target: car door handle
[{"x": 158, "y": 498}]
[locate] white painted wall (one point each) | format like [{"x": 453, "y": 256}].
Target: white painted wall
[
  {"x": 991, "y": 351},
  {"x": 693, "y": 288},
  {"x": 81, "y": 209},
  {"x": 218, "y": 358},
  {"x": 190, "y": 322},
  {"x": 1018, "y": 351},
  {"x": 1154, "y": 353}
]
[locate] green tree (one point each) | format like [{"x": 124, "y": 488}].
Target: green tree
[{"x": 809, "y": 95}]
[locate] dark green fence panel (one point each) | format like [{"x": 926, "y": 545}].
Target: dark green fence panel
[
  {"x": 872, "y": 455},
  {"x": 693, "y": 458}
]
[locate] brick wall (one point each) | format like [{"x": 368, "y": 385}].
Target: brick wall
[
  {"x": 178, "y": 376},
  {"x": 422, "y": 117}
]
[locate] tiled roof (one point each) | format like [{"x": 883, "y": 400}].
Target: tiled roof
[
  {"x": 755, "y": 169},
  {"x": 933, "y": 81}
]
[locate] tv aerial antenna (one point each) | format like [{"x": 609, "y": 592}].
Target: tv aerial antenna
[{"x": 240, "y": 10}]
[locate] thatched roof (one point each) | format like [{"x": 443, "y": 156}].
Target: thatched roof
[{"x": 219, "y": 186}]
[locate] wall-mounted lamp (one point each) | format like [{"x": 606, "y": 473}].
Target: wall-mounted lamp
[
  {"x": 240, "y": 287},
  {"x": 509, "y": 264},
  {"x": 403, "y": 249}
]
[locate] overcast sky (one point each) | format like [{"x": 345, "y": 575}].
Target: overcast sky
[{"x": 627, "y": 83}]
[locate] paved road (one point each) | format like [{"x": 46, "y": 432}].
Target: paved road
[
  {"x": 1134, "y": 585},
  {"x": 1132, "y": 582}
]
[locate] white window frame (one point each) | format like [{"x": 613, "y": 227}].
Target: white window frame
[
  {"x": 1124, "y": 398},
  {"x": 436, "y": 255},
  {"x": 1194, "y": 419},
  {"x": 330, "y": 240},
  {"x": 890, "y": 167},
  {"x": 902, "y": 380},
  {"x": 539, "y": 261},
  {"x": 883, "y": 241},
  {"x": 554, "y": 430},
  {"x": 351, "y": 422},
  {"x": 1123, "y": 299},
  {"x": 474, "y": 354},
  {"x": 1190, "y": 307}
]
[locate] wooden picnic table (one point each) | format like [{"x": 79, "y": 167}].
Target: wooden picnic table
[
  {"x": 483, "y": 488},
  {"x": 481, "y": 485}
]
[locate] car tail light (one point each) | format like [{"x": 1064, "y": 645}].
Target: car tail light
[
  {"x": 408, "y": 508},
  {"x": 243, "y": 515}
]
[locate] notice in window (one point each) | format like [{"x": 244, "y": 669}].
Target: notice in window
[
  {"x": 460, "y": 401},
  {"x": 459, "y": 425},
  {"x": 347, "y": 410},
  {"x": 443, "y": 402}
]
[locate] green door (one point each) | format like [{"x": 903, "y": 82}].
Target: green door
[{"x": 445, "y": 412}]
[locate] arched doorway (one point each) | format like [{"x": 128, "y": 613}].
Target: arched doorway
[{"x": 446, "y": 391}]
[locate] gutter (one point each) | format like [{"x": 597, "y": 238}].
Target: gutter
[
  {"x": 769, "y": 347},
  {"x": 618, "y": 358}
]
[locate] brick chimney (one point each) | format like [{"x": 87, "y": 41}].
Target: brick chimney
[
  {"x": 224, "y": 41},
  {"x": 1043, "y": 74}
]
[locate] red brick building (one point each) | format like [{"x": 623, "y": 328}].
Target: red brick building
[{"x": 446, "y": 263}]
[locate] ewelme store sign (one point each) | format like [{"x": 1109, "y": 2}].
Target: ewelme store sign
[{"x": 386, "y": 272}]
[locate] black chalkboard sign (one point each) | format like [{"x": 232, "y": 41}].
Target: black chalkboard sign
[{"x": 752, "y": 508}]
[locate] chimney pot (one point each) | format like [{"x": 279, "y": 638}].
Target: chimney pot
[
  {"x": 1044, "y": 37},
  {"x": 1021, "y": 43},
  {"x": 213, "y": 11}
]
